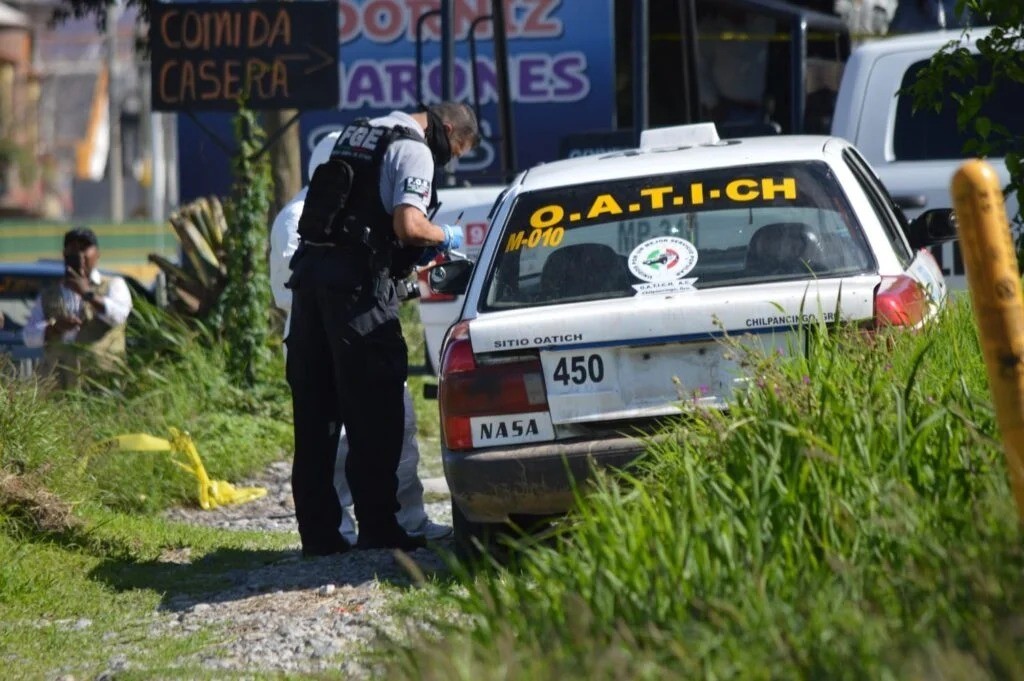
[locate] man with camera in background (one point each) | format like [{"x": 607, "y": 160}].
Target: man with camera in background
[
  {"x": 80, "y": 321},
  {"x": 284, "y": 240},
  {"x": 364, "y": 225}
]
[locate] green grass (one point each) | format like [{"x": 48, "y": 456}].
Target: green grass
[
  {"x": 77, "y": 602},
  {"x": 82, "y": 547},
  {"x": 176, "y": 381},
  {"x": 849, "y": 518},
  {"x": 83, "y": 550}
]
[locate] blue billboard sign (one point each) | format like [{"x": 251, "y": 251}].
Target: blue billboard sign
[{"x": 561, "y": 65}]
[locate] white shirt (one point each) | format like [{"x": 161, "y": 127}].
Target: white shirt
[
  {"x": 118, "y": 304},
  {"x": 284, "y": 240}
]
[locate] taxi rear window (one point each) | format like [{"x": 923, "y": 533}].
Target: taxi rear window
[{"x": 675, "y": 233}]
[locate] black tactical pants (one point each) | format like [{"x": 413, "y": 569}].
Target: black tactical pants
[{"x": 338, "y": 377}]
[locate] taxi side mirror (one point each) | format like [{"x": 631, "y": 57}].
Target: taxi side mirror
[
  {"x": 451, "y": 278},
  {"x": 932, "y": 227}
]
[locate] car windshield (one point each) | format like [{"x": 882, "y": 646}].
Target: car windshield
[{"x": 676, "y": 232}]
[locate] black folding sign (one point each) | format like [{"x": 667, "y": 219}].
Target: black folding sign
[{"x": 278, "y": 55}]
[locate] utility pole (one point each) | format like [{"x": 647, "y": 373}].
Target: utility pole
[
  {"x": 641, "y": 66},
  {"x": 505, "y": 124},
  {"x": 115, "y": 156},
  {"x": 152, "y": 132},
  {"x": 285, "y": 155},
  {"x": 447, "y": 52}
]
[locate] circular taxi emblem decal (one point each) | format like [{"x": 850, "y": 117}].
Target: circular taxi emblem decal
[{"x": 664, "y": 258}]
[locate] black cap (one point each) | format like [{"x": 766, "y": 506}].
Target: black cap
[{"x": 80, "y": 235}]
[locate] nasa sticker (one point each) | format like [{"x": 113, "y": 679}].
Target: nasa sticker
[{"x": 663, "y": 262}]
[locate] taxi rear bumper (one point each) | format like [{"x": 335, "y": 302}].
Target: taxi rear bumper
[{"x": 489, "y": 485}]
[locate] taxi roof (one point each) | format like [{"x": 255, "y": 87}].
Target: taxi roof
[{"x": 639, "y": 162}]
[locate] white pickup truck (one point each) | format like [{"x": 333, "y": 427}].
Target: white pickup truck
[{"x": 916, "y": 153}]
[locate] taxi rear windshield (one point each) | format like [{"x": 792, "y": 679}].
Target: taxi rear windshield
[{"x": 676, "y": 233}]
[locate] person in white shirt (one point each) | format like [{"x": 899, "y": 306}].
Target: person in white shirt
[
  {"x": 284, "y": 240},
  {"x": 80, "y": 321}
]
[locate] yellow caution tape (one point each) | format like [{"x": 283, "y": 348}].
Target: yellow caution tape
[
  {"x": 994, "y": 282},
  {"x": 212, "y": 493}
]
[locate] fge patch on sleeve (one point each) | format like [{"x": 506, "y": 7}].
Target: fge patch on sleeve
[{"x": 417, "y": 186}]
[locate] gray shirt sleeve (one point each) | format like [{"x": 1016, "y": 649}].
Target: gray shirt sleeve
[{"x": 406, "y": 175}]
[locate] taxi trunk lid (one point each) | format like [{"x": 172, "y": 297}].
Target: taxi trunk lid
[{"x": 649, "y": 356}]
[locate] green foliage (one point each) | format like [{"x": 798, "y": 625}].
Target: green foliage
[
  {"x": 428, "y": 423},
  {"x": 196, "y": 283},
  {"x": 71, "y": 604},
  {"x": 849, "y": 518},
  {"x": 1001, "y": 55},
  {"x": 100, "y": 583},
  {"x": 175, "y": 377},
  {"x": 244, "y": 306}
]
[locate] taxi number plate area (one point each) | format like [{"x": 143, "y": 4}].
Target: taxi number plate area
[
  {"x": 594, "y": 384},
  {"x": 512, "y": 429}
]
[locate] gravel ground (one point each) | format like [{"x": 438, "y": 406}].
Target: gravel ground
[{"x": 290, "y": 614}]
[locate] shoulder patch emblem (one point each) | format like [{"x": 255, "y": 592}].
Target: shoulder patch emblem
[{"x": 417, "y": 186}]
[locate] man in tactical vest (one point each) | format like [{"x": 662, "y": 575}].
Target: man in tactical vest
[
  {"x": 284, "y": 240},
  {"x": 80, "y": 321},
  {"x": 364, "y": 224}
]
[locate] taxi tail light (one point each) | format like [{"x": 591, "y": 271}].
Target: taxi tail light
[
  {"x": 467, "y": 388},
  {"x": 900, "y": 301},
  {"x": 426, "y": 295}
]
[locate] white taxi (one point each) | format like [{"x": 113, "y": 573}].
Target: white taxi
[{"x": 604, "y": 286}]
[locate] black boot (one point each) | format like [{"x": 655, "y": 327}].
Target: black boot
[
  {"x": 388, "y": 537},
  {"x": 331, "y": 547}
]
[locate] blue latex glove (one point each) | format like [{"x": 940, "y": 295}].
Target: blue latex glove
[{"x": 453, "y": 236}]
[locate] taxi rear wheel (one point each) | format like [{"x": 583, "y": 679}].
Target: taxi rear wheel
[{"x": 474, "y": 540}]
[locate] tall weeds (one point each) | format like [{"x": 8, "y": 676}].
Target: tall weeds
[
  {"x": 174, "y": 377},
  {"x": 849, "y": 518}
]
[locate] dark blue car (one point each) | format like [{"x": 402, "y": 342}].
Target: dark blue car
[{"x": 20, "y": 284}]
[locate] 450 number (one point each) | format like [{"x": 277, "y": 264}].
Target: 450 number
[{"x": 579, "y": 369}]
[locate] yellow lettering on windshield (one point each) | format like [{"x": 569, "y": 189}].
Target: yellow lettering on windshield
[
  {"x": 515, "y": 241},
  {"x": 604, "y": 203},
  {"x": 742, "y": 190},
  {"x": 657, "y": 195},
  {"x": 547, "y": 216},
  {"x": 544, "y": 236},
  {"x": 787, "y": 186},
  {"x": 549, "y": 222}
]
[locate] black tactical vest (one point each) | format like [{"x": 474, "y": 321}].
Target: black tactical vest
[{"x": 343, "y": 206}]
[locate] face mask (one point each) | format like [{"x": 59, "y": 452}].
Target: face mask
[{"x": 437, "y": 140}]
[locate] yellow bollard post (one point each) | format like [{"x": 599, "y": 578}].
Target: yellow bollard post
[{"x": 995, "y": 286}]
